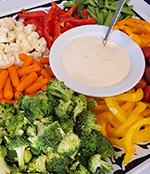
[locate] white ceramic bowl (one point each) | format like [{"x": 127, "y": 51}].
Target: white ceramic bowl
[{"x": 134, "y": 51}]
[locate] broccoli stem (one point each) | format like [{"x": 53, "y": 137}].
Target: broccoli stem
[
  {"x": 20, "y": 155},
  {"x": 4, "y": 168},
  {"x": 91, "y": 104}
]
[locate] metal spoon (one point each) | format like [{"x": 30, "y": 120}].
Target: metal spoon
[{"x": 119, "y": 7}]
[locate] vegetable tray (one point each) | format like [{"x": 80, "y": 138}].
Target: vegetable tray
[{"x": 141, "y": 160}]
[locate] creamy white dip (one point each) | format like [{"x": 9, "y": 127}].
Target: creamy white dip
[{"x": 90, "y": 63}]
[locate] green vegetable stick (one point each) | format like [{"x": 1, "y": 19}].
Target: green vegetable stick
[
  {"x": 109, "y": 18},
  {"x": 100, "y": 16},
  {"x": 69, "y": 4}
]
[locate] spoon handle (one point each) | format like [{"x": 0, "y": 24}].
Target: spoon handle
[{"x": 119, "y": 7}]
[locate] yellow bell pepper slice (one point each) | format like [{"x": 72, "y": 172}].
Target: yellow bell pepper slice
[
  {"x": 115, "y": 109},
  {"x": 133, "y": 97},
  {"x": 130, "y": 149}
]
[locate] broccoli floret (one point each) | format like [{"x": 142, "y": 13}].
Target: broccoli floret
[
  {"x": 91, "y": 104},
  {"x": 81, "y": 158},
  {"x": 31, "y": 130},
  {"x": 40, "y": 126},
  {"x": 56, "y": 162},
  {"x": 51, "y": 137},
  {"x": 48, "y": 119},
  {"x": 4, "y": 168},
  {"x": 67, "y": 124},
  {"x": 59, "y": 90},
  {"x": 2, "y": 134},
  {"x": 80, "y": 103},
  {"x": 27, "y": 156},
  {"x": 96, "y": 164},
  {"x": 64, "y": 109},
  {"x": 6, "y": 112},
  {"x": 15, "y": 170},
  {"x": 90, "y": 143},
  {"x": 24, "y": 103},
  {"x": 37, "y": 164},
  {"x": 69, "y": 146},
  {"x": 82, "y": 170},
  {"x": 86, "y": 122},
  {"x": 11, "y": 157},
  {"x": 3, "y": 151},
  {"x": 7, "y": 109},
  {"x": 105, "y": 148},
  {"x": 14, "y": 125},
  {"x": 38, "y": 106},
  {"x": 19, "y": 145}
]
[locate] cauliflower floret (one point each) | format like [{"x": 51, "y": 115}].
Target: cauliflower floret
[
  {"x": 17, "y": 60},
  {"x": 41, "y": 45},
  {"x": 18, "y": 27},
  {"x": 12, "y": 36},
  {"x": 13, "y": 47},
  {"x": 21, "y": 36},
  {"x": 7, "y": 22},
  {"x": 3, "y": 34},
  {"x": 25, "y": 46},
  {"x": 33, "y": 38},
  {"x": 29, "y": 29},
  {"x": 6, "y": 60},
  {"x": 16, "y": 38},
  {"x": 36, "y": 55},
  {"x": 2, "y": 47}
]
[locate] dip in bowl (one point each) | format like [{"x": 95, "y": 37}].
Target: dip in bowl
[{"x": 79, "y": 59}]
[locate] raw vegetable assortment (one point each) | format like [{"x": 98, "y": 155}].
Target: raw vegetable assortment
[
  {"x": 16, "y": 38},
  {"x": 31, "y": 77},
  {"x": 55, "y": 22},
  {"x": 52, "y": 132},
  {"x": 68, "y": 121},
  {"x": 103, "y": 11},
  {"x": 124, "y": 120}
]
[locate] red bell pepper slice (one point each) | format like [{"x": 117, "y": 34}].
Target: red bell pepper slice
[
  {"x": 32, "y": 15},
  {"x": 66, "y": 27},
  {"x": 48, "y": 18},
  {"x": 48, "y": 39},
  {"x": 85, "y": 13},
  {"x": 57, "y": 27},
  {"x": 36, "y": 23},
  {"x": 78, "y": 16},
  {"x": 70, "y": 11},
  {"x": 55, "y": 6},
  {"x": 55, "y": 17},
  {"x": 83, "y": 21}
]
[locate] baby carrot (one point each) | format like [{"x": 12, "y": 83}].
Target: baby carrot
[
  {"x": 43, "y": 88},
  {"x": 2, "y": 94},
  {"x": 3, "y": 78},
  {"x": 8, "y": 89},
  {"x": 22, "y": 56},
  {"x": 36, "y": 86},
  {"x": 13, "y": 74},
  {"x": 45, "y": 74},
  {"x": 37, "y": 63},
  {"x": 27, "y": 70},
  {"x": 16, "y": 95},
  {"x": 32, "y": 77},
  {"x": 39, "y": 78},
  {"x": 23, "y": 77},
  {"x": 28, "y": 61},
  {"x": 6, "y": 101},
  {"x": 44, "y": 60},
  {"x": 49, "y": 70},
  {"x": 16, "y": 66}
]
